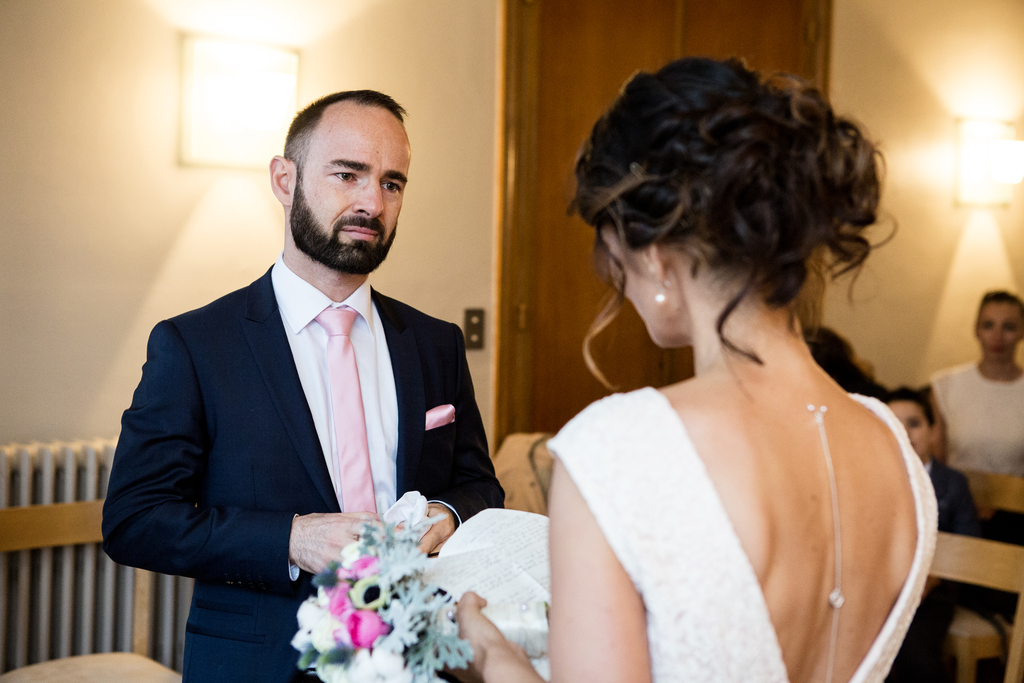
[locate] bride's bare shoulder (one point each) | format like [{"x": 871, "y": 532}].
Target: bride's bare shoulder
[{"x": 702, "y": 396}]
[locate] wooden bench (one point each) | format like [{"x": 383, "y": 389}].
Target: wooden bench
[{"x": 58, "y": 524}]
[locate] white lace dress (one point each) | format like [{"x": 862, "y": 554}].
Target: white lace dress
[{"x": 706, "y": 616}]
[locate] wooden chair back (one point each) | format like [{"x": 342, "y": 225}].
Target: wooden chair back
[
  {"x": 523, "y": 467},
  {"x": 996, "y": 491},
  {"x": 57, "y": 524},
  {"x": 993, "y": 565}
]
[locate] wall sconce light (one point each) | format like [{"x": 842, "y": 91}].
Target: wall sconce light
[
  {"x": 237, "y": 101},
  {"x": 1007, "y": 161},
  {"x": 990, "y": 162}
]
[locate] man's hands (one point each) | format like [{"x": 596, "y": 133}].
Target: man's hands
[
  {"x": 317, "y": 539},
  {"x": 439, "y": 531}
]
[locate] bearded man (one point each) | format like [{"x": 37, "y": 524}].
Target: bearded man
[{"x": 272, "y": 423}]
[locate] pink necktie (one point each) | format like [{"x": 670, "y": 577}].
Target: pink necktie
[{"x": 355, "y": 481}]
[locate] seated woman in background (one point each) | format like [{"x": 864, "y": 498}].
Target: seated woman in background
[
  {"x": 980, "y": 406},
  {"x": 920, "y": 657},
  {"x": 979, "y": 411},
  {"x": 755, "y": 523}
]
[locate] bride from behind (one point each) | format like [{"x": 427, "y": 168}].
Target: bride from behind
[{"x": 753, "y": 523}]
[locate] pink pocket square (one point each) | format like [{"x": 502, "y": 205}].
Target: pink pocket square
[{"x": 440, "y": 416}]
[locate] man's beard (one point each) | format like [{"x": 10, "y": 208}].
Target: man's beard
[{"x": 357, "y": 257}]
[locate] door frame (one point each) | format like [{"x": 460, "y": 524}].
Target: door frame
[{"x": 518, "y": 167}]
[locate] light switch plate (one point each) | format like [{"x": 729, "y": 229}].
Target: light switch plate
[{"x": 473, "y": 328}]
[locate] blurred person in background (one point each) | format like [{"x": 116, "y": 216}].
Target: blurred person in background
[
  {"x": 980, "y": 406},
  {"x": 835, "y": 355},
  {"x": 920, "y": 657},
  {"x": 979, "y": 415}
]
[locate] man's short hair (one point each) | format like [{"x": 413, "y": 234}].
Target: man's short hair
[
  {"x": 305, "y": 122},
  {"x": 918, "y": 396}
]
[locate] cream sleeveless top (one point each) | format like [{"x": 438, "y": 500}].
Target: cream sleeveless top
[{"x": 984, "y": 420}]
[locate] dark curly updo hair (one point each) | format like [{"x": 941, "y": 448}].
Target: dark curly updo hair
[{"x": 756, "y": 178}]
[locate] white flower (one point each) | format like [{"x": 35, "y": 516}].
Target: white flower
[
  {"x": 303, "y": 639},
  {"x": 333, "y": 673},
  {"x": 361, "y": 669},
  {"x": 322, "y": 635},
  {"x": 309, "y": 613},
  {"x": 350, "y": 554},
  {"x": 379, "y": 666},
  {"x": 390, "y": 667}
]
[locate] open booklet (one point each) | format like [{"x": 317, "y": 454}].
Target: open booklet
[{"x": 502, "y": 555}]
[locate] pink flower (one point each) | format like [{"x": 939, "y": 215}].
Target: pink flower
[
  {"x": 340, "y": 604},
  {"x": 364, "y": 627},
  {"x": 365, "y": 566}
]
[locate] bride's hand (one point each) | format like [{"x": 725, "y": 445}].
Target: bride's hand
[{"x": 483, "y": 636}]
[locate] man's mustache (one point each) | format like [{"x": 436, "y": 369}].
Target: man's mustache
[{"x": 374, "y": 224}]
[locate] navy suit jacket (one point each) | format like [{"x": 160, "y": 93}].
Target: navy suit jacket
[
  {"x": 218, "y": 452},
  {"x": 957, "y": 513}
]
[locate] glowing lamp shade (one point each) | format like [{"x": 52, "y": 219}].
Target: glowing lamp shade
[
  {"x": 990, "y": 162},
  {"x": 237, "y": 102},
  {"x": 1007, "y": 161}
]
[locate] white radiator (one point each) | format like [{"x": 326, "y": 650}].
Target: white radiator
[{"x": 72, "y": 600}]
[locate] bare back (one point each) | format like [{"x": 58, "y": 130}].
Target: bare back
[{"x": 763, "y": 452}]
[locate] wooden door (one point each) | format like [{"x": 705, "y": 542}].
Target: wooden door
[{"x": 565, "y": 61}]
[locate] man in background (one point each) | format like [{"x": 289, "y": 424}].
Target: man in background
[
  {"x": 272, "y": 423},
  {"x": 920, "y": 657}
]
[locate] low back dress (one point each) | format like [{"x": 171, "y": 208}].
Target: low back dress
[{"x": 633, "y": 461}]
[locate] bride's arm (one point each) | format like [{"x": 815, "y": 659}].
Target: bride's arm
[
  {"x": 598, "y": 621},
  {"x": 494, "y": 658}
]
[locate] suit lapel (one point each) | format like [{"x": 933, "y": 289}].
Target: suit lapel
[
  {"x": 405, "y": 363},
  {"x": 265, "y": 333}
]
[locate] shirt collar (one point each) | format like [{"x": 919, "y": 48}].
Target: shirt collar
[{"x": 301, "y": 302}]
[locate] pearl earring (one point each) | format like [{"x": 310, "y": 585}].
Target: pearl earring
[{"x": 660, "y": 296}]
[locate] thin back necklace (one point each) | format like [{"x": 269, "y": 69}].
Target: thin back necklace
[{"x": 836, "y": 597}]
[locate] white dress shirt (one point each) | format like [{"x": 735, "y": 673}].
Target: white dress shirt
[{"x": 300, "y": 303}]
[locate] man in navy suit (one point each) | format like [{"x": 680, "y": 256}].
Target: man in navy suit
[{"x": 225, "y": 469}]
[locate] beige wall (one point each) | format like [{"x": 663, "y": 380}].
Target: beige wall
[
  {"x": 103, "y": 234},
  {"x": 908, "y": 69}
]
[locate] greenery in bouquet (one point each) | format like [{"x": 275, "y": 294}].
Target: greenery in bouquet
[{"x": 374, "y": 620}]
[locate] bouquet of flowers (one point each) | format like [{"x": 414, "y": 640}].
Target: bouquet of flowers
[{"x": 374, "y": 620}]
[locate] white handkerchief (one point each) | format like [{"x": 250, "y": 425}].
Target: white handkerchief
[{"x": 410, "y": 510}]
